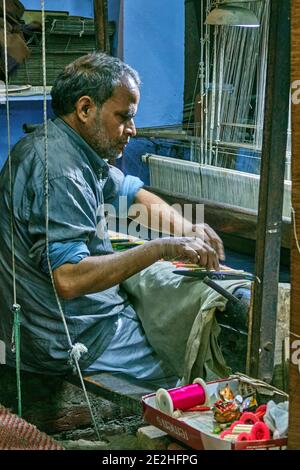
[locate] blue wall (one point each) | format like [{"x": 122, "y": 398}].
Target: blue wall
[{"x": 153, "y": 43}]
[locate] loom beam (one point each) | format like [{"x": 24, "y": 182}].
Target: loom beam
[
  {"x": 294, "y": 372},
  {"x": 267, "y": 259}
]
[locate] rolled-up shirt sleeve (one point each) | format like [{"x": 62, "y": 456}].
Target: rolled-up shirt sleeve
[
  {"x": 64, "y": 252},
  {"x": 119, "y": 188}
]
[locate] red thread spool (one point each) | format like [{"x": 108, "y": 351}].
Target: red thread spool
[
  {"x": 228, "y": 436},
  {"x": 260, "y": 432},
  {"x": 235, "y": 423},
  {"x": 243, "y": 436},
  {"x": 248, "y": 418},
  {"x": 182, "y": 398},
  {"x": 225, "y": 433},
  {"x": 261, "y": 411}
]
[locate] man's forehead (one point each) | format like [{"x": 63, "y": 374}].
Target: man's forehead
[
  {"x": 129, "y": 83},
  {"x": 127, "y": 95}
]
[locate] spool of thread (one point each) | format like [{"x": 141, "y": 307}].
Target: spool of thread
[
  {"x": 240, "y": 428},
  {"x": 260, "y": 432},
  {"x": 228, "y": 436},
  {"x": 244, "y": 436},
  {"x": 235, "y": 423},
  {"x": 251, "y": 418},
  {"x": 182, "y": 398},
  {"x": 260, "y": 412},
  {"x": 248, "y": 418},
  {"x": 225, "y": 433}
]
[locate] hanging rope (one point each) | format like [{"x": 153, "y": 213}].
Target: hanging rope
[
  {"x": 76, "y": 350},
  {"x": 15, "y": 343}
]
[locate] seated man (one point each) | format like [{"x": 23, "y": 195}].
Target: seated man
[{"x": 95, "y": 100}]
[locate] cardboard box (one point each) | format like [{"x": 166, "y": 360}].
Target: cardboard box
[{"x": 195, "y": 428}]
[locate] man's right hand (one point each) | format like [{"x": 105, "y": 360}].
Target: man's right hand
[{"x": 191, "y": 249}]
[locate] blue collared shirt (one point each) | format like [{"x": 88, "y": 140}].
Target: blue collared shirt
[{"x": 80, "y": 182}]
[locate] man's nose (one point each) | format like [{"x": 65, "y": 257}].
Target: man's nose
[{"x": 130, "y": 128}]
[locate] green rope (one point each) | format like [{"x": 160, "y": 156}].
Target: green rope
[
  {"x": 16, "y": 311},
  {"x": 16, "y": 308}
]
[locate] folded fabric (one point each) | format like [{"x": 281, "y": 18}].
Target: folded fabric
[
  {"x": 277, "y": 417},
  {"x": 178, "y": 316}
]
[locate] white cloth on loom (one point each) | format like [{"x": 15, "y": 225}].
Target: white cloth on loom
[{"x": 177, "y": 314}]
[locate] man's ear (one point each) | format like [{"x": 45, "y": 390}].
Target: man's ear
[{"x": 84, "y": 108}]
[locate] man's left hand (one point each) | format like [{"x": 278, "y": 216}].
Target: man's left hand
[{"x": 206, "y": 233}]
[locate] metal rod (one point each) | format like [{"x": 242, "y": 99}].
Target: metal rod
[
  {"x": 267, "y": 259},
  {"x": 221, "y": 290}
]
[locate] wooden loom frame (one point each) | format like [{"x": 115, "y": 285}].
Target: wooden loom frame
[
  {"x": 294, "y": 370},
  {"x": 269, "y": 222}
]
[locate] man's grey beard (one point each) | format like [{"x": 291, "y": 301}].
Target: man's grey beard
[
  {"x": 106, "y": 153},
  {"x": 104, "y": 150},
  {"x": 113, "y": 160}
]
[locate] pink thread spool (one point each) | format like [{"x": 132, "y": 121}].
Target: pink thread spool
[{"x": 182, "y": 398}]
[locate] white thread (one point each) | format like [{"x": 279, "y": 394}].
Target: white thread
[
  {"x": 83, "y": 27},
  {"x": 77, "y": 350},
  {"x": 294, "y": 334},
  {"x": 298, "y": 248},
  {"x": 295, "y": 229}
]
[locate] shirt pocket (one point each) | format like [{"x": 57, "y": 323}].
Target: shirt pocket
[{"x": 45, "y": 354}]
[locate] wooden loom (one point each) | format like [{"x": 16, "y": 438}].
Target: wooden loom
[
  {"x": 221, "y": 130},
  {"x": 272, "y": 188},
  {"x": 294, "y": 369},
  {"x": 235, "y": 213}
]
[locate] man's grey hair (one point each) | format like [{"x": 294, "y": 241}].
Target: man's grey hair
[{"x": 95, "y": 75}]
